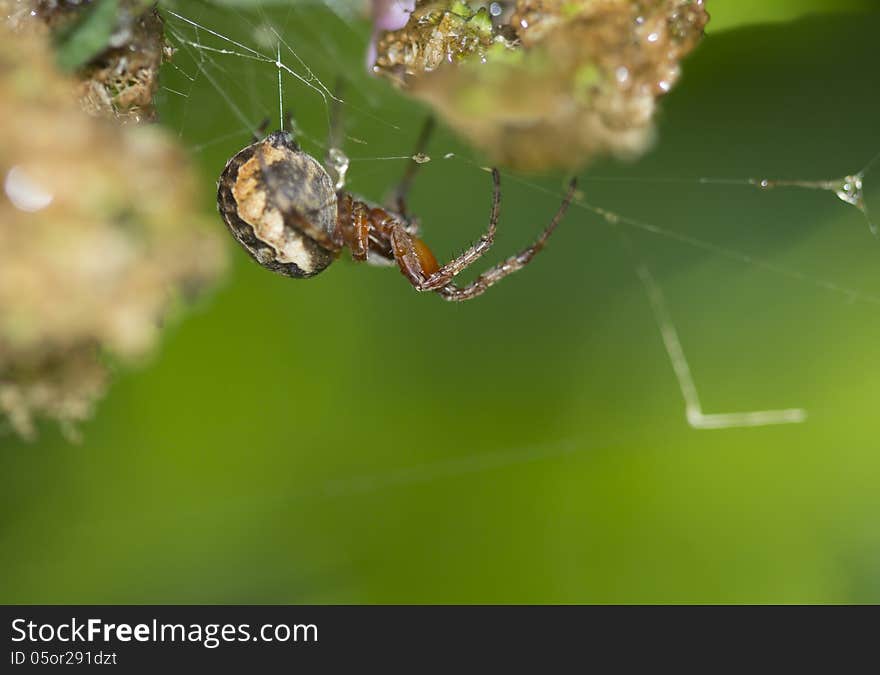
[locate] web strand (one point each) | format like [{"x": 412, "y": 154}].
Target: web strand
[{"x": 693, "y": 408}]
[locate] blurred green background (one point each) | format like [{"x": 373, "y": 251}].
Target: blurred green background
[{"x": 344, "y": 439}]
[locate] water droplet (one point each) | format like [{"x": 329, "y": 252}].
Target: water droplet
[
  {"x": 24, "y": 193},
  {"x": 622, "y": 74},
  {"x": 850, "y": 191},
  {"x": 339, "y": 162},
  {"x": 610, "y": 217},
  {"x": 421, "y": 158},
  {"x": 264, "y": 36},
  {"x": 449, "y": 155},
  {"x": 495, "y": 9}
]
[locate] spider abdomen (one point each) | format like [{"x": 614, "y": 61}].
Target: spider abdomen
[{"x": 280, "y": 204}]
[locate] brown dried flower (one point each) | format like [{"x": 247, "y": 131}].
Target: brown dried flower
[
  {"x": 122, "y": 81},
  {"x": 557, "y": 83},
  {"x": 122, "y": 78},
  {"x": 99, "y": 232}
]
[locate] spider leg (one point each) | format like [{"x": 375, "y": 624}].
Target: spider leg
[
  {"x": 397, "y": 198},
  {"x": 260, "y": 131},
  {"x": 420, "y": 268},
  {"x": 444, "y": 275},
  {"x": 353, "y": 226},
  {"x": 513, "y": 264},
  {"x": 412, "y": 255}
]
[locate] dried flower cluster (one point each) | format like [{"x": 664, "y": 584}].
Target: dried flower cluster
[
  {"x": 548, "y": 83},
  {"x": 99, "y": 233},
  {"x": 121, "y": 79},
  {"x": 437, "y": 32}
]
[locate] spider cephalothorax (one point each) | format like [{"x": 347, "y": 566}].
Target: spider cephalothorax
[{"x": 282, "y": 206}]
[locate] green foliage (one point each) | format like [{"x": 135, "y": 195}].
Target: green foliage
[
  {"x": 734, "y": 13},
  {"x": 88, "y": 36}
]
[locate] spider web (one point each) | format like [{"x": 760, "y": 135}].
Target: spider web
[{"x": 247, "y": 66}]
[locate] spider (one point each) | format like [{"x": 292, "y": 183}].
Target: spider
[{"x": 284, "y": 208}]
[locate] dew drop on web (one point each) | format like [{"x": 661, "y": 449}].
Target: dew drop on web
[{"x": 339, "y": 162}]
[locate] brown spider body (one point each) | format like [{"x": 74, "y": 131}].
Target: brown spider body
[
  {"x": 266, "y": 193},
  {"x": 282, "y": 206}
]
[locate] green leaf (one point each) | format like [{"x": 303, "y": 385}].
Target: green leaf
[
  {"x": 735, "y": 13},
  {"x": 88, "y": 36}
]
